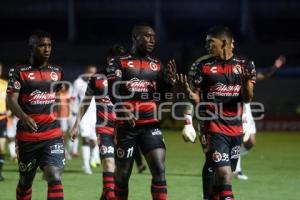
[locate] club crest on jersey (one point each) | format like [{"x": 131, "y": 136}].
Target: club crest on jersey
[
  {"x": 153, "y": 66},
  {"x": 118, "y": 73},
  {"x": 54, "y": 76},
  {"x": 217, "y": 157},
  {"x": 237, "y": 69},
  {"x": 17, "y": 85},
  {"x": 120, "y": 153}
]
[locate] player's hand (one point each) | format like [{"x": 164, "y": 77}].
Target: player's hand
[
  {"x": 182, "y": 83},
  {"x": 74, "y": 131},
  {"x": 188, "y": 131},
  {"x": 203, "y": 141},
  {"x": 245, "y": 75},
  {"x": 279, "y": 62},
  {"x": 127, "y": 117},
  {"x": 29, "y": 123},
  {"x": 171, "y": 71}
]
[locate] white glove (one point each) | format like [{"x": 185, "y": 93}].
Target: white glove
[{"x": 188, "y": 132}]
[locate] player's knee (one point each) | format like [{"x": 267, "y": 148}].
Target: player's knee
[
  {"x": 224, "y": 175},
  {"x": 122, "y": 176},
  {"x": 108, "y": 165},
  {"x": 158, "y": 172},
  {"x": 26, "y": 181},
  {"x": 52, "y": 174}
]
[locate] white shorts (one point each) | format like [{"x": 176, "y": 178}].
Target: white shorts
[
  {"x": 88, "y": 122},
  {"x": 64, "y": 124},
  {"x": 88, "y": 129},
  {"x": 248, "y": 121},
  {"x": 12, "y": 129}
]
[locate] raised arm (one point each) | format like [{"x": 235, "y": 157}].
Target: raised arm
[{"x": 278, "y": 63}]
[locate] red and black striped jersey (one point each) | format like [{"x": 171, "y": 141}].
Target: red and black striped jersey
[
  {"x": 106, "y": 117},
  {"x": 37, "y": 87},
  {"x": 220, "y": 85},
  {"x": 133, "y": 80}
]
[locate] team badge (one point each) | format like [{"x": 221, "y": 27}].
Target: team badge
[
  {"x": 120, "y": 153},
  {"x": 153, "y": 66},
  {"x": 54, "y": 76},
  {"x": 17, "y": 85},
  {"x": 103, "y": 150},
  {"x": 237, "y": 69},
  {"x": 217, "y": 157},
  {"x": 118, "y": 73}
]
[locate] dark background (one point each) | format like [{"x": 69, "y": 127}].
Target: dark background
[{"x": 83, "y": 30}]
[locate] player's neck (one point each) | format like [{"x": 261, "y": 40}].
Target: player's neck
[
  {"x": 37, "y": 63},
  {"x": 136, "y": 51},
  {"x": 227, "y": 55}
]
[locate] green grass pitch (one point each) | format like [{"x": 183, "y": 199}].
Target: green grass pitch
[{"x": 272, "y": 166}]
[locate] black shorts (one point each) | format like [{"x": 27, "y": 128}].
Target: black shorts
[
  {"x": 33, "y": 154},
  {"x": 3, "y": 124},
  {"x": 106, "y": 146},
  {"x": 223, "y": 150},
  {"x": 146, "y": 137}
]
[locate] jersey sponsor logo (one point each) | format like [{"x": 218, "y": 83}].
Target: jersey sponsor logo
[
  {"x": 153, "y": 66},
  {"x": 214, "y": 69},
  {"x": 57, "y": 148},
  {"x": 235, "y": 152},
  {"x": 17, "y": 85},
  {"x": 136, "y": 85},
  {"x": 130, "y": 64},
  {"x": 221, "y": 89},
  {"x": 54, "y": 76},
  {"x": 41, "y": 98},
  {"x": 31, "y": 76},
  {"x": 25, "y": 68}
]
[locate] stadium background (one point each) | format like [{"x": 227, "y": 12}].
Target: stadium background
[{"x": 83, "y": 30}]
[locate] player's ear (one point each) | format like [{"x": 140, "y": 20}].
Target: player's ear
[{"x": 224, "y": 43}]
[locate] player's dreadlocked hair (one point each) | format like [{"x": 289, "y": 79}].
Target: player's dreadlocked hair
[
  {"x": 220, "y": 32},
  {"x": 36, "y": 35}
]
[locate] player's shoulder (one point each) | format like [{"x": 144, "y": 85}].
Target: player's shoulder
[
  {"x": 205, "y": 59},
  {"x": 20, "y": 67},
  {"x": 153, "y": 59},
  {"x": 54, "y": 67},
  {"x": 241, "y": 59}
]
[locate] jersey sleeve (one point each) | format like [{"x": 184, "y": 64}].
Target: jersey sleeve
[
  {"x": 195, "y": 75},
  {"x": 114, "y": 77},
  {"x": 14, "y": 82},
  {"x": 251, "y": 69}
]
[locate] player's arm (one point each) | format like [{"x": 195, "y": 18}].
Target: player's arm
[
  {"x": 248, "y": 78},
  {"x": 190, "y": 85},
  {"x": 114, "y": 78},
  {"x": 278, "y": 63},
  {"x": 83, "y": 107},
  {"x": 12, "y": 97}
]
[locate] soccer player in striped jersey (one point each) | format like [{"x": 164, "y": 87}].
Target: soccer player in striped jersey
[
  {"x": 222, "y": 83},
  {"x": 31, "y": 96}
]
